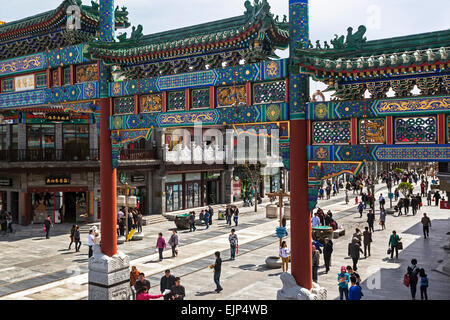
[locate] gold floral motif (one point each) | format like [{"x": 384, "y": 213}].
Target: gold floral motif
[
  {"x": 412, "y": 105},
  {"x": 183, "y": 118},
  {"x": 230, "y": 96},
  {"x": 151, "y": 103}
]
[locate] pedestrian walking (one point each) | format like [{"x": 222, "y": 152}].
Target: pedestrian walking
[
  {"x": 354, "y": 293},
  {"x": 91, "y": 239},
  {"x": 412, "y": 271},
  {"x": 211, "y": 213},
  {"x": 192, "y": 222},
  {"x": 352, "y": 273},
  {"x": 367, "y": 236},
  {"x": 141, "y": 282},
  {"x": 382, "y": 202},
  {"x": 394, "y": 239},
  {"x": 426, "y": 222},
  {"x": 236, "y": 216},
  {"x": 355, "y": 250},
  {"x": 423, "y": 284},
  {"x": 173, "y": 242},
  {"x": 285, "y": 256},
  {"x": 346, "y": 197},
  {"x": 383, "y": 219},
  {"x": 160, "y": 245},
  {"x": 437, "y": 197},
  {"x": 315, "y": 263},
  {"x": 139, "y": 222},
  {"x": 360, "y": 209},
  {"x": 327, "y": 251},
  {"x": 228, "y": 214},
  {"x": 206, "y": 219},
  {"x": 177, "y": 292},
  {"x": 77, "y": 238},
  {"x": 233, "y": 239},
  {"x": 72, "y": 233},
  {"x": 315, "y": 221},
  {"x": 47, "y": 225},
  {"x": 166, "y": 283},
  {"x": 343, "y": 280},
  {"x": 134, "y": 276},
  {"x": 429, "y": 197},
  {"x": 9, "y": 222},
  {"x": 371, "y": 220},
  {"x": 217, "y": 266},
  {"x": 358, "y": 234}
]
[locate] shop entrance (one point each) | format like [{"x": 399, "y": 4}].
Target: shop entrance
[
  {"x": 213, "y": 188},
  {"x": 70, "y": 207}
]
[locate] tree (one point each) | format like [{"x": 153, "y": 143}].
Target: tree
[
  {"x": 252, "y": 173},
  {"x": 398, "y": 171},
  {"x": 405, "y": 188}
]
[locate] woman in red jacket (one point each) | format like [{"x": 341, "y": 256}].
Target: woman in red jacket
[{"x": 142, "y": 294}]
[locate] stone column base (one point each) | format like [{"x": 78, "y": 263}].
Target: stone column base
[
  {"x": 109, "y": 277},
  {"x": 292, "y": 291}
]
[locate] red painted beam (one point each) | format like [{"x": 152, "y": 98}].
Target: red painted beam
[
  {"x": 300, "y": 217},
  {"x": 187, "y": 93},
  {"x": 248, "y": 89},
  {"x": 212, "y": 97},
  {"x": 354, "y": 133}
]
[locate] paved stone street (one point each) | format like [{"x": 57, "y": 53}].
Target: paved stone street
[{"x": 39, "y": 269}]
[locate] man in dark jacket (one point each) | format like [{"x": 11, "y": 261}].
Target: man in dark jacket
[
  {"x": 167, "y": 282},
  {"x": 211, "y": 213},
  {"x": 367, "y": 239},
  {"x": 228, "y": 214},
  {"x": 192, "y": 222},
  {"x": 177, "y": 291},
  {"x": 355, "y": 250},
  {"x": 47, "y": 224},
  {"x": 371, "y": 220},
  {"x": 327, "y": 251},
  {"x": 142, "y": 282},
  {"x": 406, "y": 203},
  {"x": 217, "y": 270}
]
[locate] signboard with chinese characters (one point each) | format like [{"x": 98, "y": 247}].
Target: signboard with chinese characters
[
  {"x": 62, "y": 180},
  {"x": 24, "y": 83},
  {"x": 57, "y": 117}
]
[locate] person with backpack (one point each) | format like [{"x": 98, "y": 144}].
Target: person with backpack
[
  {"x": 412, "y": 272},
  {"x": 206, "y": 219},
  {"x": 360, "y": 209},
  {"x": 423, "y": 284}
]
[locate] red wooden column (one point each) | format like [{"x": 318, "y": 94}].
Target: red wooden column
[
  {"x": 441, "y": 128},
  {"x": 389, "y": 130},
  {"x": 108, "y": 182},
  {"x": 300, "y": 219},
  {"x": 354, "y": 136}
]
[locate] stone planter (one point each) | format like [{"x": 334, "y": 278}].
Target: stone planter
[
  {"x": 273, "y": 262},
  {"x": 121, "y": 240},
  {"x": 182, "y": 222},
  {"x": 390, "y": 211},
  {"x": 320, "y": 233},
  {"x": 137, "y": 236},
  {"x": 272, "y": 211}
]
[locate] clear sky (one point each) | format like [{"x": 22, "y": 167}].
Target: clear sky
[{"x": 383, "y": 18}]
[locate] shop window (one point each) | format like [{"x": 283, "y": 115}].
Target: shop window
[
  {"x": 14, "y": 137},
  {"x": 3, "y": 138},
  {"x": 7, "y": 85},
  {"x": 86, "y": 73},
  {"x": 40, "y": 136},
  {"x": 76, "y": 141},
  {"x": 41, "y": 80},
  {"x": 231, "y": 96}
]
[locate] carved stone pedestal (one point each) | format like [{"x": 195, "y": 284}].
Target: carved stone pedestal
[
  {"x": 109, "y": 277},
  {"x": 292, "y": 291}
]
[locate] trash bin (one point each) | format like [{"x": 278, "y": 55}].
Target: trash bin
[{"x": 221, "y": 215}]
